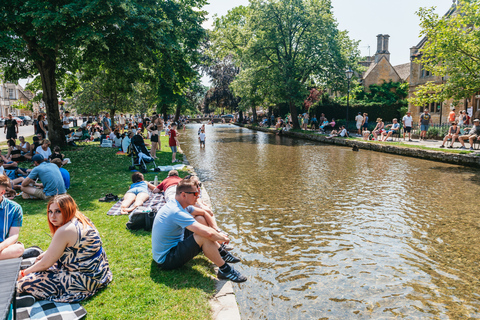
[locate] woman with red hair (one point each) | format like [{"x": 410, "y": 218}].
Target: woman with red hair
[{"x": 75, "y": 265}]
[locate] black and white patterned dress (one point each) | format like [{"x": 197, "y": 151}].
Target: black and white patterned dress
[{"x": 80, "y": 272}]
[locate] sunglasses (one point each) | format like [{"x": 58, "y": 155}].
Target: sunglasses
[{"x": 196, "y": 193}]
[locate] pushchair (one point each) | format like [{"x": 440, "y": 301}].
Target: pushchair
[{"x": 140, "y": 155}]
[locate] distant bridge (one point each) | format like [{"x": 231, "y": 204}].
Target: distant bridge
[{"x": 215, "y": 120}]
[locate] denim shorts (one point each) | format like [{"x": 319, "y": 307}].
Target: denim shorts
[
  {"x": 137, "y": 190},
  {"x": 174, "y": 149},
  {"x": 424, "y": 127}
]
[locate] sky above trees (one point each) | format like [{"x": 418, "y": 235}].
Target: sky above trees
[{"x": 365, "y": 19}]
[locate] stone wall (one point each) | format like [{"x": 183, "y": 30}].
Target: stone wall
[{"x": 454, "y": 158}]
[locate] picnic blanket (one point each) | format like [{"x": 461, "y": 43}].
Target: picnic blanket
[
  {"x": 168, "y": 168},
  {"x": 49, "y": 310},
  {"x": 156, "y": 200}
]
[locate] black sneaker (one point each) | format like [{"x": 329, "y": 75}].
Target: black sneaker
[
  {"x": 230, "y": 258},
  {"x": 233, "y": 275},
  {"x": 442, "y": 146},
  {"x": 226, "y": 247},
  {"x": 27, "y": 301}
]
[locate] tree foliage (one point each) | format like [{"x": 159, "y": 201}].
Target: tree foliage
[
  {"x": 452, "y": 50},
  {"x": 280, "y": 46}
]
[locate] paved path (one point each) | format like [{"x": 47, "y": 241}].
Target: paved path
[
  {"x": 26, "y": 131},
  {"x": 22, "y": 131}
]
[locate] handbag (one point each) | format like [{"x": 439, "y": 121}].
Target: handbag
[{"x": 141, "y": 219}]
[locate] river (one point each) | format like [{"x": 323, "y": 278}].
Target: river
[{"x": 328, "y": 233}]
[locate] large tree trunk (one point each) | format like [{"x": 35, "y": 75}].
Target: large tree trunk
[
  {"x": 112, "y": 117},
  {"x": 254, "y": 111},
  {"x": 177, "y": 112},
  {"x": 49, "y": 85},
  {"x": 164, "y": 109},
  {"x": 240, "y": 116},
  {"x": 294, "y": 114}
]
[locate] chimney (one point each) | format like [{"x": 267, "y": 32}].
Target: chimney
[
  {"x": 385, "y": 43},
  {"x": 379, "y": 43}
]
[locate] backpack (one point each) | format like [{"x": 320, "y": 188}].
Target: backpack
[{"x": 139, "y": 219}]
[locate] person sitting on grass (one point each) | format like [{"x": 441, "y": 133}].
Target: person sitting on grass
[
  {"x": 11, "y": 218},
  {"x": 172, "y": 247},
  {"x": 44, "y": 149},
  {"x": 75, "y": 266},
  {"x": 137, "y": 194},
  {"x": 453, "y": 133},
  {"x": 52, "y": 181},
  {"x": 472, "y": 135},
  {"x": 24, "y": 146},
  {"x": 15, "y": 183},
  {"x": 342, "y": 132},
  {"x": 14, "y": 152},
  {"x": 57, "y": 155},
  {"x": 394, "y": 128},
  {"x": 63, "y": 171}
]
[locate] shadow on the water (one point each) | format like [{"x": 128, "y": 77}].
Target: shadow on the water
[{"x": 459, "y": 170}]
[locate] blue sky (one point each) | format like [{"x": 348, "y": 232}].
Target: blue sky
[{"x": 364, "y": 19}]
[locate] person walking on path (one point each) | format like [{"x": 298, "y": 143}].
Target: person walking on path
[
  {"x": 11, "y": 127},
  {"x": 425, "y": 121},
  {"x": 407, "y": 125}
]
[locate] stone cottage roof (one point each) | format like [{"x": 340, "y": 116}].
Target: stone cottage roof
[{"x": 403, "y": 70}]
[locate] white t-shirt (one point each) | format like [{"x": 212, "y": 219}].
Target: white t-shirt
[
  {"x": 121, "y": 120},
  {"x": 125, "y": 144},
  {"x": 2, "y": 170},
  {"x": 359, "y": 119},
  {"x": 343, "y": 133},
  {"x": 66, "y": 126},
  {"x": 44, "y": 153},
  {"x": 112, "y": 136},
  {"x": 202, "y": 136},
  {"x": 408, "y": 120}
]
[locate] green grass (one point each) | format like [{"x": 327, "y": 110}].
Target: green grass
[{"x": 139, "y": 290}]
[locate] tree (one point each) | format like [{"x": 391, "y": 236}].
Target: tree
[
  {"x": 452, "y": 50},
  {"x": 49, "y": 38},
  {"x": 290, "y": 43}
]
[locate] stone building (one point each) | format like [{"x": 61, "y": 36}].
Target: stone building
[
  {"x": 10, "y": 93},
  {"x": 379, "y": 67},
  {"x": 420, "y": 76}
]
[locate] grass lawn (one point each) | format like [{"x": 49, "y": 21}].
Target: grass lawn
[{"x": 139, "y": 290}]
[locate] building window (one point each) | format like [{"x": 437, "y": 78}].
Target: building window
[
  {"x": 424, "y": 73},
  {"x": 11, "y": 94}
]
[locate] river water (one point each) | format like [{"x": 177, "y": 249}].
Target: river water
[{"x": 328, "y": 233}]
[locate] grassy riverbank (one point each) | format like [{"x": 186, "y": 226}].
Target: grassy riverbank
[{"x": 139, "y": 290}]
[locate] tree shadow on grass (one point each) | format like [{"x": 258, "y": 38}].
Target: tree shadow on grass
[{"x": 185, "y": 277}]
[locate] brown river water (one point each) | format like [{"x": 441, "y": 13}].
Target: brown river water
[{"x": 328, "y": 233}]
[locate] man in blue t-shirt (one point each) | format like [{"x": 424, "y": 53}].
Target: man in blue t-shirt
[
  {"x": 394, "y": 128},
  {"x": 11, "y": 218},
  {"x": 52, "y": 181},
  {"x": 63, "y": 171},
  {"x": 173, "y": 246}
]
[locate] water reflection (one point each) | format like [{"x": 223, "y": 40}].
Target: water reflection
[{"x": 327, "y": 233}]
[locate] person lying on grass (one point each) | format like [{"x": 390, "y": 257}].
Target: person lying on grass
[
  {"x": 177, "y": 237},
  {"x": 75, "y": 266},
  {"x": 137, "y": 194},
  {"x": 11, "y": 218}
]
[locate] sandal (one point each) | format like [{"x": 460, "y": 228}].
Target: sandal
[{"x": 109, "y": 197}]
